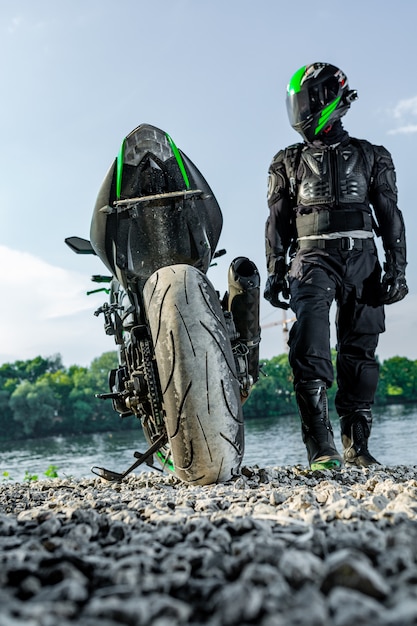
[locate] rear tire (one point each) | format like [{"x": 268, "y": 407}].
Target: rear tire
[{"x": 200, "y": 390}]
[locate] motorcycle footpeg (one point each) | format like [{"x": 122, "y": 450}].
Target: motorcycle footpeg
[{"x": 109, "y": 396}]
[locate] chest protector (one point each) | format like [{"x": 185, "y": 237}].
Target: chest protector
[
  {"x": 334, "y": 176},
  {"x": 338, "y": 179}
]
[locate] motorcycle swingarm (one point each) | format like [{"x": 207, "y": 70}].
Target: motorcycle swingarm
[{"x": 146, "y": 457}]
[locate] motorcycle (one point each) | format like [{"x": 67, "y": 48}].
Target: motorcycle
[{"x": 187, "y": 358}]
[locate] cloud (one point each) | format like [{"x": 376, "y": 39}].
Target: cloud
[
  {"x": 405, "y": 107},
  {"x": 403, "y": 112},
  {"x": 14, "y": 24},
  {"x": 53, "y": 291},
  {"x": 45, "y": 311},
  {"x": 403, "y": 130}
]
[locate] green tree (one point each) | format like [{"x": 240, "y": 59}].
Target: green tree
[
  {"x": 273, "y": 394},
  {"x": 84, "y": 406},
  {"x": 103, "y": 417},
  {"x": 61, "y": 385},
  {"x": 30, "y": 370},
  {"x": 34, "y": 407},
  {"x": 398, "y": 380},
  {"x": 11, "y": 377},
  {"x": 41, "y": 397},
  {"x": 100, "y": 367}
]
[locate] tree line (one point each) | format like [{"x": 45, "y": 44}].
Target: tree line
[
  {"x": 274, "y": 395},
  {"x": 40, "y": 397}
]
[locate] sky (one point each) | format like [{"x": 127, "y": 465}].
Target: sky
[{"x": 79, "y": 75}]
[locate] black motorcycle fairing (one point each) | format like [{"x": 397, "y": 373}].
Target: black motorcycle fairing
[
  {"x": 103, "y": 223},
  {"x": 133, "y": 240},
  {"x": 206, "y": 206}
]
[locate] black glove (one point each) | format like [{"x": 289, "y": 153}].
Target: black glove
[
  {"x": 393, "y": 285},
  {"x": 277, "y": 284}
]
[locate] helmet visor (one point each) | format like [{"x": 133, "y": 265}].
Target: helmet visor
[{"x": 298, "y": 107}]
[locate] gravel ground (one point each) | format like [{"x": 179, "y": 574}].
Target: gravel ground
[{"x": 278, "y": 546}]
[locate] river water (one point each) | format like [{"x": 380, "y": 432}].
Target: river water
[{"x": 267, "y": 443}]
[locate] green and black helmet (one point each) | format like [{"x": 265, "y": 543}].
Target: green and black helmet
[{"x": 317, "y": 96}]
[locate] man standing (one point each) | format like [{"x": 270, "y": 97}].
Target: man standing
[{"x": 321, "y": 194}]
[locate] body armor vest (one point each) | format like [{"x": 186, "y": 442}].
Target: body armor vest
[
  {"x": 334, "y": 176},
  {"x": 332, "y": 193}
]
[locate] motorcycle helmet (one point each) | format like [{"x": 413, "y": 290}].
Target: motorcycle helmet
[{"x": 317, "y": 96}]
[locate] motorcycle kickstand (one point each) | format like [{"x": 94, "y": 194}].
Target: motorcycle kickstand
[{"x": 141, "y": 458}]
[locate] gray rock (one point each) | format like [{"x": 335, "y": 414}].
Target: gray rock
[
  {"x": 349, "y": 606},
  {"x": 277, "y": 546},
  {"x": 300, "y": 567},
  {"x": 349, "y": 568}
]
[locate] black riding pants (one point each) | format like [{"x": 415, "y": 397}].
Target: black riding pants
[{"x": 351, "y": 279}]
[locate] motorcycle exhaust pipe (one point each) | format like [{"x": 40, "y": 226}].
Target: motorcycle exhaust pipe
[{"x": 243, "y": 303}]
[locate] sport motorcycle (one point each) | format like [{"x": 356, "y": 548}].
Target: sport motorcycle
[{"x": 187, "y": 357}]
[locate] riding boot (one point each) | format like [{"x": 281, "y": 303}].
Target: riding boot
[
  {"x": 356, "y": 429},
  {"x": 316, "y": 429}
]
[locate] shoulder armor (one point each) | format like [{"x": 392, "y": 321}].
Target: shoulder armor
[
  {"x": 283, "y": 172},
  {"x": 277, "y": 179},
  {"x": 384, "y": 177},
  {"x": 382, "y": 154}
]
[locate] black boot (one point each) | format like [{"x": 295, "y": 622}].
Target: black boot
[
  {"x": 356, "y": 429},
  {"x": 317, "y": 431}
]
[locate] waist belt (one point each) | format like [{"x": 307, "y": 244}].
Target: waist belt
[
  {"x": 340, "y": 220},
  {"x": 341, "y": 243}
]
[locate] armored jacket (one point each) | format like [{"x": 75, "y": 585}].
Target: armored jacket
[{"x": 325, "y": 190}]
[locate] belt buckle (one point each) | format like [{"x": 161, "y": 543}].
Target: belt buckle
[{"x": 348, "y": 243}]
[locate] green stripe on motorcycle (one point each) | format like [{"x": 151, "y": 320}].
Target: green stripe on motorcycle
[
  {"x": 179, "y": 160},
  {"x": 119, "y": 170},
  {"x": 166, "y": 462}
]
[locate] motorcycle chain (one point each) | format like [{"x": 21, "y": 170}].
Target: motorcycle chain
[
  {"x": 153, "y": 391},
  {"x": 157, "y": 423}
]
